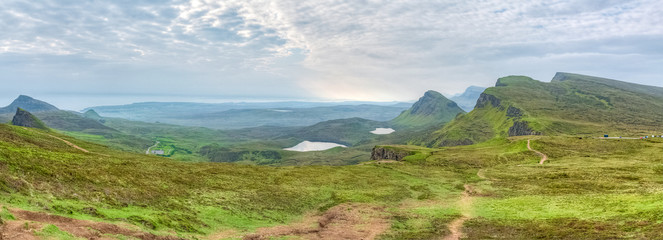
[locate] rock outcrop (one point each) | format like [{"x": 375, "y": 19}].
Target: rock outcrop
[
  {"x": 26, "y": 119},
  {"x": 514, "y": 112},
  {"x": 383, "y": 153},
  {"x": 521, "y": 128},
  {"x": 486, "y": 99}
]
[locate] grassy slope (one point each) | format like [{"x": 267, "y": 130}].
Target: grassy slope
[
  {"x": 577, "y": 105},
  {"x": 588, "y": 189},
  {"x": 586, "y": 185},
  {"x": 159, "y": 194}
]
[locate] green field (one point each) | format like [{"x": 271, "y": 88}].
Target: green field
[{"x": 588, "y": 189}]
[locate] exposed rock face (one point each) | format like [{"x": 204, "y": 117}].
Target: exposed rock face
[
  {"x": 381, "y": 153},
  {"x": 521, "y": 128},
  {"x": 513, "y": 112},
  {"x": 26, "y": 119},
  {"x": 486, "y": 99},
  {"x": 28, "y": 104}
]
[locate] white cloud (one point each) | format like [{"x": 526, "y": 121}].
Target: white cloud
[{"x": 343, "y": 49}]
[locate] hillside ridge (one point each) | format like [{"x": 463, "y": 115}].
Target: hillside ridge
[{"x": 431, "y": 109}]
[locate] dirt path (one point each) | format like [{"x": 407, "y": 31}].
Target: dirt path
[
  {"x": 65, "y": 141},
  {"x": 69, "y": 143},
  {"x": 148, "y": 149},
  {"x": 345, "y": 221},
  {"x": 465, "y": 203},
  {"x": 543, "y": 156},
  {"x": 27, "y": 223}
]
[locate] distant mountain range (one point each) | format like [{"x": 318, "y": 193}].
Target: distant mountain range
[
  {"x": 468, "y": 99},
  {"x": 245, "y": 115},
  {"x": 53, "y": 117}
]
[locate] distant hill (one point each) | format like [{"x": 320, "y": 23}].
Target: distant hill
[
  {"x": 570, "y": 104},
  {"x": 468, "y": 99},
  {"x": 183, "y": 113},
  {"x": 73, "y": 121},
  {"x": 91, "y": 114},
  {"x": 28, "y": 104},
  {"x": 281, "y": 117},
  {"x": 54, "y": 117},
  {"x": 26, "y": 119},
  {"x": 431, "y": 109}
]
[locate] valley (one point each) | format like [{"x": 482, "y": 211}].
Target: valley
[{"x": 529, "y": 161}]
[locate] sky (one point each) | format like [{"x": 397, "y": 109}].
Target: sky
[{"x": 79, "y": 53}]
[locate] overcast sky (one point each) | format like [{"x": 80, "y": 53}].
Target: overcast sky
[{"x": 315, "y": 49}]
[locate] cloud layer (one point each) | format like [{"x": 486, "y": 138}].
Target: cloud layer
[{"x": 323, "y": 49}]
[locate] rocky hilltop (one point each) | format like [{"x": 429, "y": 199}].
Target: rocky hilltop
[{"x": 26, "y": 119}]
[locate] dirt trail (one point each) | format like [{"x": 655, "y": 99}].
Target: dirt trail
[
  {"x": 65, "y": 141},
  {"x": 543, "y": 156},
  {"x": 29, "y": 222},
  {"x": 465, "y": 204},
  {"x": 345, "y": 221},
  {"x": 68, "y": 143}
]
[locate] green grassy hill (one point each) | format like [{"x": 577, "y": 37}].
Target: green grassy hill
[
  {"x": 40, "y": 172},
  {"x": 430, "y": 110},
  {"x": 570, "y": 104}
]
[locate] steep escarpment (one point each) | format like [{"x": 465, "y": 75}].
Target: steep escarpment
[
  {"x": 491, "y": 117},
  {"x": 569, "y": 104}
]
